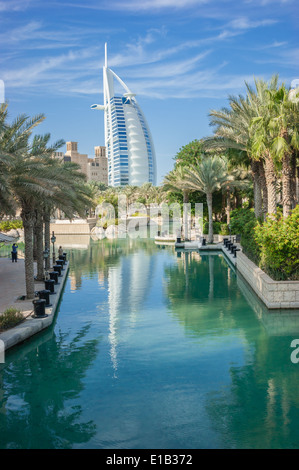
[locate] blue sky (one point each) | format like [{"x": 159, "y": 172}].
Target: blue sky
[{"x": 181, "y": 57}]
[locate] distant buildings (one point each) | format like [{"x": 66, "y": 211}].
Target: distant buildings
[
  {"x": 96, "y": 169},
  {"x": 130, "y": 148}
]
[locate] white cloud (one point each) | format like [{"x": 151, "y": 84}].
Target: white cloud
[
  {"x": 21, "y": 33},
  {"x": 273, "y": 45},
  {"x": 79, "y": 72},
  {"x": 36, "y": 35},
  {"x": 138, "y": 5},
  {"x": 172, "y": 69},
  {"x": 64, "y": 67},
  {"x": 14, "y": 5},
  {"x": 269, "y": 2},
  {"x": 289, "y": 57},
  {"x": 243, "y": 23},
  {"x": 152, "y": 64}
]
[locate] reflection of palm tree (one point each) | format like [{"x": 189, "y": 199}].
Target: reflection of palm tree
[
  {"x": 260, "y": 409},
  {"x": 45, "y": 419},
  {"x": 211, "y": 277},
  {"x": 191, "y": 285}
]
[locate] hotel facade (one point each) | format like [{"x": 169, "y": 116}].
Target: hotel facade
[{"x": 128, "y": 141}]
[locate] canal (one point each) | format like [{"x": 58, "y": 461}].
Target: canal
[{"x": 153, "y": 349}]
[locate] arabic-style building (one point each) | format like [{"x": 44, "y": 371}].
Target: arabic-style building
[{"x": 128, "y": 141}]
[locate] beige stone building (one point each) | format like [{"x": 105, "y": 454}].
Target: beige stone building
[
  {"x": 98, "y": 166},
  {"x": 96, "y": 169}
]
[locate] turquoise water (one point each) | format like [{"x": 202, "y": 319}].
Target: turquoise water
[{"x": 153, "y": 349}]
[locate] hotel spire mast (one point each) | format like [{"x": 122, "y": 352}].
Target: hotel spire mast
[{"x": 129, "y": 145}]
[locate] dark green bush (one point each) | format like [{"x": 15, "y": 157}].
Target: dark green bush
[
  {"x": 216, "y": 227},
  {"x": 224, "y": 230},
  {"x": 278, "y": 239},
  {"x": 243, "y": 222},
  {"x": 273, "y": 245}
]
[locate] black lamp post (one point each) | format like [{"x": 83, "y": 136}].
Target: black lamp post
[
  {"x": 46, "y": 256},
  {"x": 53, "y": 240}
]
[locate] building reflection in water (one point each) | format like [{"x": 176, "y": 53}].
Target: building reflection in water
[
  {"x": 128, "y": 288},
  {"x": 123, "y": 268}
]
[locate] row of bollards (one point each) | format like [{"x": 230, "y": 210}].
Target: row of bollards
[
  {"x": 231, "y": 247},
  {"x": 44, "y": 295}
]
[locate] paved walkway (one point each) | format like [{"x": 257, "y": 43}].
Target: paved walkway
[{"x": 12, "y": 285}]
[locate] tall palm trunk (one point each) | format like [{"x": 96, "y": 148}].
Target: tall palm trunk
[
  {"x": 28, "y": 222},
  {"x": 271, "y": 180},
  {"x": 39, "y": 246},
  {"x": 47, "y": 234},
  {"x": 238, "y": 198},
  {"x": 210, "y": 202},
  {"x": 257, "y": 189},
  {"x": 286, "y": 184},
  {"x": 34, "y": 244},
  {"x": 228, "y": 207},
  {"x": 286, "y": 178},
  {"x": 293, "y": 179},
  {"x": 263, "y": 184}
]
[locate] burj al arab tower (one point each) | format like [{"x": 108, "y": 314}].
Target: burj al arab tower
[{"x": 128, "y": 141}]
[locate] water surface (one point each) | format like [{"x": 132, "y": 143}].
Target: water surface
[{"x": 153, "y": 349}]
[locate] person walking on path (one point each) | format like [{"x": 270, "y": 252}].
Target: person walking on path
[
  {"x": 60, "y": 251},
  {"x": 14, "y": 253}
]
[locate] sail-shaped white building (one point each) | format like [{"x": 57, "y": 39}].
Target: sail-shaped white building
[{"x": 128, "y": 141}]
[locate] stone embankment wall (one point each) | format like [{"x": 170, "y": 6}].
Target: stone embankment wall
[
  {"x": 76, "y": 226},
  {"x": 274, "y": 294}
]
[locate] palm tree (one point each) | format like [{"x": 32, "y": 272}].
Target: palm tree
[
  {"x": 208, "y": 176},
  {"x": 274, "y": 137},
  {"x": 131, "y": 192},
  {"x": 5, "y": 199},
  {"x": 30, "y": 182},
  {"x": 284, "y": 129},
  {"x": 260, "y": 137},
  {"x": 40, "y": 150},
  {"x": 244, "y": 128},
  {"x": 35, "y": 183},
  {"x": 70, "y": 193},
  {"x": 145, "y": 195},
  {"x": 96, "y": 189},
  {"x": 110, "y": 196},
  {"x": 25, "y": 179},
  {"x": 238, "y": 179},
  {"x": 232, "y": 134},
  {"x": 176, "y": 181},
  {"x": 13, "y": 141}
]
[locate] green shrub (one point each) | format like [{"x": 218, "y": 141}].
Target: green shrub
[
  {"x": 278, "y": 239},
  {"x": 243, "y": 222},
  {"x": 224, "y": 230},
  {"x": 10, "y": 318},
  {"x": 106, "y": 223},
  {"x": 7, "y": 225},
  {"x": 216, "y": 227}
]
